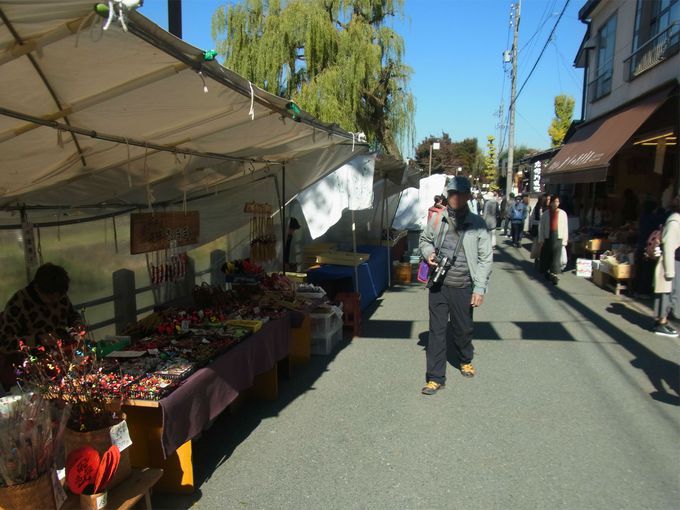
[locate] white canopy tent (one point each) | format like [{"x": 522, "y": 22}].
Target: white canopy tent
[{"x": 96, "y": 123}]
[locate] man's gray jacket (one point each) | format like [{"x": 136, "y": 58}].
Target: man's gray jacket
[{"x": 476, "y": 245}]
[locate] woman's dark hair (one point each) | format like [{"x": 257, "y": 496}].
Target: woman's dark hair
[{"x": 51, "y": 279}]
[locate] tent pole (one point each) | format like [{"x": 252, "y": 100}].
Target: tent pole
[
  {"x": 382, "y": 229},
  {"x": 354, "y": 248},
  {"x": 283, "y": 218}
]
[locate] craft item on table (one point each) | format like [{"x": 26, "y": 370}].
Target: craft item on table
[
  {"x": 152, "y": 387},
  {"x": 262, "y": 234},
  {"x": 177, "y": 371}
]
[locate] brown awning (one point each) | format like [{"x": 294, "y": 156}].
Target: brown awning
[{"x": 586, "y": 157}]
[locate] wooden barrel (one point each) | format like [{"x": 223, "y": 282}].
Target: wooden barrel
[{"x": 403, "y": 272}]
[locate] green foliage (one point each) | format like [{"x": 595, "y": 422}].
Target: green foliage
[
  {"x": 337, "y": 59},
  {"x": 564, "y": 111},
  {"x": 451, "y": 155},
  {"x": 490, "y": 166}
]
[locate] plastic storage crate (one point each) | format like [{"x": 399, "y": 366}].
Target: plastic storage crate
[
  {"x": 324, "y": 324},
  {"x": 323, "y": 345}
]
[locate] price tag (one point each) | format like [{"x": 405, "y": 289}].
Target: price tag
[
  {"x": 58, "y": 490},
  {"x": 120, "y": 436}
]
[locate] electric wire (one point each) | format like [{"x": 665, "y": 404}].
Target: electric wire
[{"x": 547, "y": 42}]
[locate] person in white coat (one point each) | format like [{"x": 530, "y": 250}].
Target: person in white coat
[
  {"x": 667, "y": 275},
  {"x": 553, "y": 235}
]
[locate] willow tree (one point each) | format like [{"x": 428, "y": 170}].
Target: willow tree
[{"x": 338, "y": 59}]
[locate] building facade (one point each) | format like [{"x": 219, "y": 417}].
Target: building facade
[{"x": 627, "y": 137}]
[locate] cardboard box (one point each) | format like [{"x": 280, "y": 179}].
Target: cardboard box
[
  {"x": 599, "y": 278},
  {"x": 621, "y": 271}
]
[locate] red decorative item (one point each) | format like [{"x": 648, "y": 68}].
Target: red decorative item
[
  {"x": 81, "y": 468},
  {"x": 107, "y": 469}
]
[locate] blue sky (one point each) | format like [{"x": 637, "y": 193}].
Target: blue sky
[{"x": 455, "y": 49}]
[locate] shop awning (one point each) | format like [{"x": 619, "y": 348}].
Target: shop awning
[{"x": 586, "y": 157}]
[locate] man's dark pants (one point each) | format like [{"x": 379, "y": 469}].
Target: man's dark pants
[
  {"x": 444, "y": 302},
  {"x": 517, "y": 231}
]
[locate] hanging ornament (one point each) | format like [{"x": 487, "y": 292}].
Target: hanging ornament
[
  {"x": 294, "y": 110},
  {"x": 209, "y": 56}
]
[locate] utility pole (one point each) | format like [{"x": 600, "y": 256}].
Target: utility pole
[
  {"x": 513, "y": 91},
  {"x": 429, "y": 170}
]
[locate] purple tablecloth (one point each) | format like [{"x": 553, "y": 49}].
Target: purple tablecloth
[{"x": 208, "y": 392}]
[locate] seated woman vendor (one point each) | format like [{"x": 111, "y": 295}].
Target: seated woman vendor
[{"x": 40, "y": 308}]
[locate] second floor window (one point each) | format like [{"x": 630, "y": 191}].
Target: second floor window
[
  {"x": 606, "y": 43},
  {"x": 652, "y": 18}
]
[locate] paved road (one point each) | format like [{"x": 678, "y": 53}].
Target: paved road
[{"x": 575, "y": 406}]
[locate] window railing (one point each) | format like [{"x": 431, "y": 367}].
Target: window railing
[
  {"x": 602, "y": 85},
  {"x": 653, "y": 52}
]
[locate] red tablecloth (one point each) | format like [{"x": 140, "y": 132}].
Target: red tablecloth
[{"x": 207, "y": 392}]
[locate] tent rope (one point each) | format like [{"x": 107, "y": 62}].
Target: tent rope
[
  {"x": 129, "y": 164},
  {"x": 252, "y": 102}
]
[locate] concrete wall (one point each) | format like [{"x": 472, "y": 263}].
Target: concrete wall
[{"x": 622, "y": 90}]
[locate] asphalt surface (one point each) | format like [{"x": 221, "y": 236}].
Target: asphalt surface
[{"x": 575, "y": 405}]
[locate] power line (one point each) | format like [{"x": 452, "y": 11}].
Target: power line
[{"x": 547, "y": 42}]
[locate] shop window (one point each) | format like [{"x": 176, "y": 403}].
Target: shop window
[
  {"x": 606, "y": 45},
  {"x": 656, "y": 36}
]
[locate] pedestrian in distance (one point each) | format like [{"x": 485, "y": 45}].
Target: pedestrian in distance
[
  {"x": 553, "y": 233},
  {"x": 458, "y": 248},
  {"x": 518, "y": 215},
  {"x": 506, "y": 206},
  {"x": 436, "y": 207},
  {"x": 490, "y": 217},
  {"x": 667, "y": 273}
]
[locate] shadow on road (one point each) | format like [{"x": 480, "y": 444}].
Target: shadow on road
[{"x": 659, "y": 370}]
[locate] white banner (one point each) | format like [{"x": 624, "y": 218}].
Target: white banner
[{"x": 349, "y": 187}]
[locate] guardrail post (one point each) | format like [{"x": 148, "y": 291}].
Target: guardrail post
[
  {"x": 124, "y": 299},
  {"x": 217, "y": 259},
  {"x": 190, "y": 277}
]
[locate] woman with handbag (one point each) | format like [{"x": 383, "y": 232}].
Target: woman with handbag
[
  {"x": 553, "y": 234},
  {"x": 667, "y": 274}
]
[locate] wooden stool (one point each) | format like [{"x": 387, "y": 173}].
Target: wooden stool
[{"x": 351, "y": 311}]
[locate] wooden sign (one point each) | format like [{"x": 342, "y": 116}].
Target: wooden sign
[{"x": 163, "y": 230}]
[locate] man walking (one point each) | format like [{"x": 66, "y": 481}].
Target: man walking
[
  {"x": 518, "y": 214},
  {"x": 506, "y": 206},
  {"x": 490, "y": 217},
  {"x": 463, "y": 238}
]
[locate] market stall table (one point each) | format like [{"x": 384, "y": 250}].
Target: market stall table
[
  {"x": 162, "y": 430},
  {"x": 372, "y": 275}
]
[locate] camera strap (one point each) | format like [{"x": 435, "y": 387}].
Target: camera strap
[{"x": 459, "y": 245}]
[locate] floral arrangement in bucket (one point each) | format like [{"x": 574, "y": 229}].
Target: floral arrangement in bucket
[{"x": 65, "y": 369}]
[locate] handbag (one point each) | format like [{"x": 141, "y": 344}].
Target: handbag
[
  {"x": 535, "y": 250},
  {"x": 423, "y": 271},
  {"x": 563, "y": 258}
]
